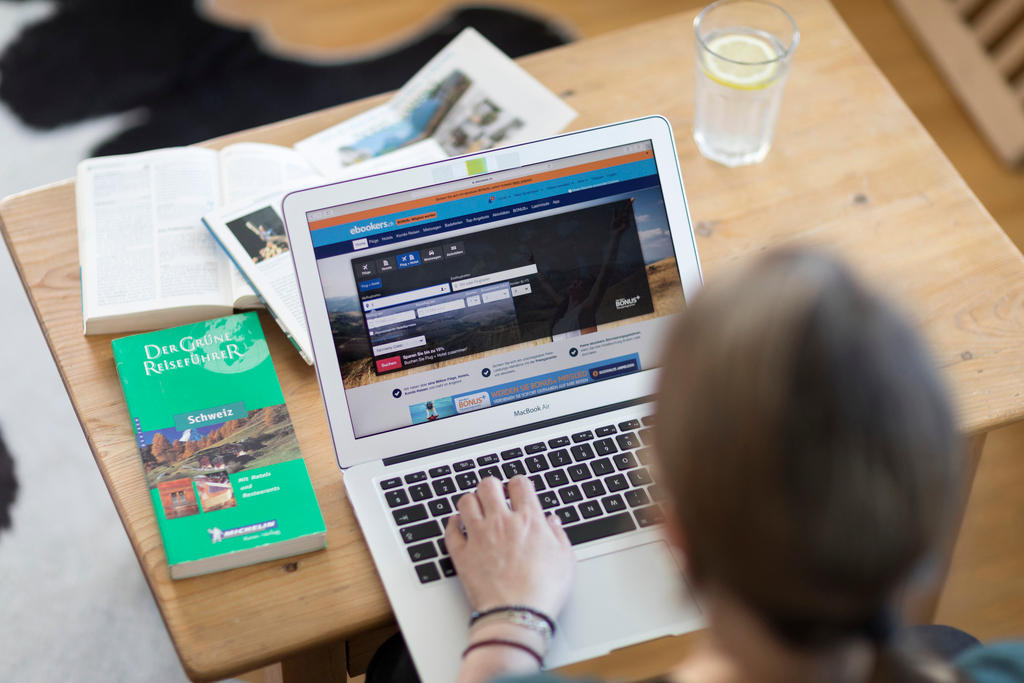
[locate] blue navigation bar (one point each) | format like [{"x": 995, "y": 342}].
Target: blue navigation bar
[{"x": 428, "y": 229}]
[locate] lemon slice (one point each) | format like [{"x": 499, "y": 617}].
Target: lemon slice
[{"x": 749, "y": 63}]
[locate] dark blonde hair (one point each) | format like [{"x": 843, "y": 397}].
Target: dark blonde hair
[{"x": 809, "y": 446}]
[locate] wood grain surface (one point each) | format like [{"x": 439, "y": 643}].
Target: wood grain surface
[{"x": 851, "y": 170}]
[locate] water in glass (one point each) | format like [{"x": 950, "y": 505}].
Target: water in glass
[{"x": 741, "y": 73}]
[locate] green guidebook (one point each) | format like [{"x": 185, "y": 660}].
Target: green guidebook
[{"x": 222, "y": 463}]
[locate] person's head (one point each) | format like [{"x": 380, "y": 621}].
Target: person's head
[{"x": 807, "y": 443}]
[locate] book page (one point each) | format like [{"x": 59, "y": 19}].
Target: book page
[
  {"x": 142, "y": 244},
  {"x": 468, "y": 98},
  {"x": 253, "y": 235},
  {"x": 251, "y": 169},
  {"x": 243, "y": 296}
]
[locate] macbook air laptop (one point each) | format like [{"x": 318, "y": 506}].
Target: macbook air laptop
[{"x": 497, "y": 314}]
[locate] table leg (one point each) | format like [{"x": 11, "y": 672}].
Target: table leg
[
  {"x": 324, "y": 664},
  {"x": 922, "y": 603},
  {"x": 332, "y": 663}
]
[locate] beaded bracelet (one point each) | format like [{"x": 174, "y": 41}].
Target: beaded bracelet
[
  {"x": 524, "y": 619},
  {"x": 507, "y": 643},
  {"x": 476, "y": 616}
]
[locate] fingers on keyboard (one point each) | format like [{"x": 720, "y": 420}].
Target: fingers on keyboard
[{"x": 596, "y": 481}]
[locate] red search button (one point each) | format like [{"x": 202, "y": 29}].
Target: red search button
[{"x": 392, "y": 363}]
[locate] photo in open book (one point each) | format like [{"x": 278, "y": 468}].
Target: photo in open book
[
  {"x": 418, "y": 124},
  {"x": 474, "y": 124},
  {"x": 261, "y": 234}
]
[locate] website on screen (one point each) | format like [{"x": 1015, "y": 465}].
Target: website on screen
[{"x": 498, "y": 288}]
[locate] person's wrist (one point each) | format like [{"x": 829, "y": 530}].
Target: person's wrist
[
  {"x": 507, "y": 630},
  {"x": 534, "y": 605},
  {"x": 494, "y": 657},
  {"x": 518, "y": 615}
]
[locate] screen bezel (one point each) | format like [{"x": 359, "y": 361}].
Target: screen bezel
[{"x": 351, "y": 451}]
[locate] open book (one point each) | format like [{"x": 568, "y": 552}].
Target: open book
[{"x": 146, "y": 259}]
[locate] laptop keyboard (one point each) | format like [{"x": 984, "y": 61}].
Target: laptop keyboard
[{"x": 597, "y": 482}]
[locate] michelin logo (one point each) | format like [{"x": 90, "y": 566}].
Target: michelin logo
[
  {"x": 626, "y": 302},
  {"x": 217, "y": 535}
]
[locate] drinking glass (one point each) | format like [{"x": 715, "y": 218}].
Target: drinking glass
[{"x": 744, "y": 51}]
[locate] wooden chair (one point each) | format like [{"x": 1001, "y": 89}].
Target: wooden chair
[{"x": 978, "y": 45}]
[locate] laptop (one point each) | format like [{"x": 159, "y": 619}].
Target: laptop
[{"x": 497, "y": 314}]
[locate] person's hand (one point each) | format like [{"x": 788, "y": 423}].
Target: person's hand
[
  {"x": 514, "y": 556},
  {"x": 620, "y": 220}
]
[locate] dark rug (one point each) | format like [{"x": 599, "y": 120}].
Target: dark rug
[
  {"x": 8, "y": 485},
  {"x": 194, "y": 79}
]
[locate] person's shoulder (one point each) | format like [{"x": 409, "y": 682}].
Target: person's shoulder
[{"x": 995, "y": 663}]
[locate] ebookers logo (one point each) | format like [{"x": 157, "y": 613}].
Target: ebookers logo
[
  {"x": 370, "y": 227},
  {"x": 626, "y": 302}
]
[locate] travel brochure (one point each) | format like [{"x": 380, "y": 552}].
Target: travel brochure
[{"x": 468, "y": 98}]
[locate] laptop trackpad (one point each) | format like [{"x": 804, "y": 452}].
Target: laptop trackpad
[{"x": 626, "y": 594}]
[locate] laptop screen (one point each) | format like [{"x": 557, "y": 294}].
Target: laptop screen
[{"x": 497, "y": 288}]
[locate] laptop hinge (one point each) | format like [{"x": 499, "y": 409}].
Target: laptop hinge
[{"x": 512, "y": 431}]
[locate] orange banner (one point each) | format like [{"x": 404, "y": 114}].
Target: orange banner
[{"x": 416, "y": 218}]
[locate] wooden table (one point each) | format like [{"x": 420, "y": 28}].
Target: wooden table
[{"x": 851, "y": 169}]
